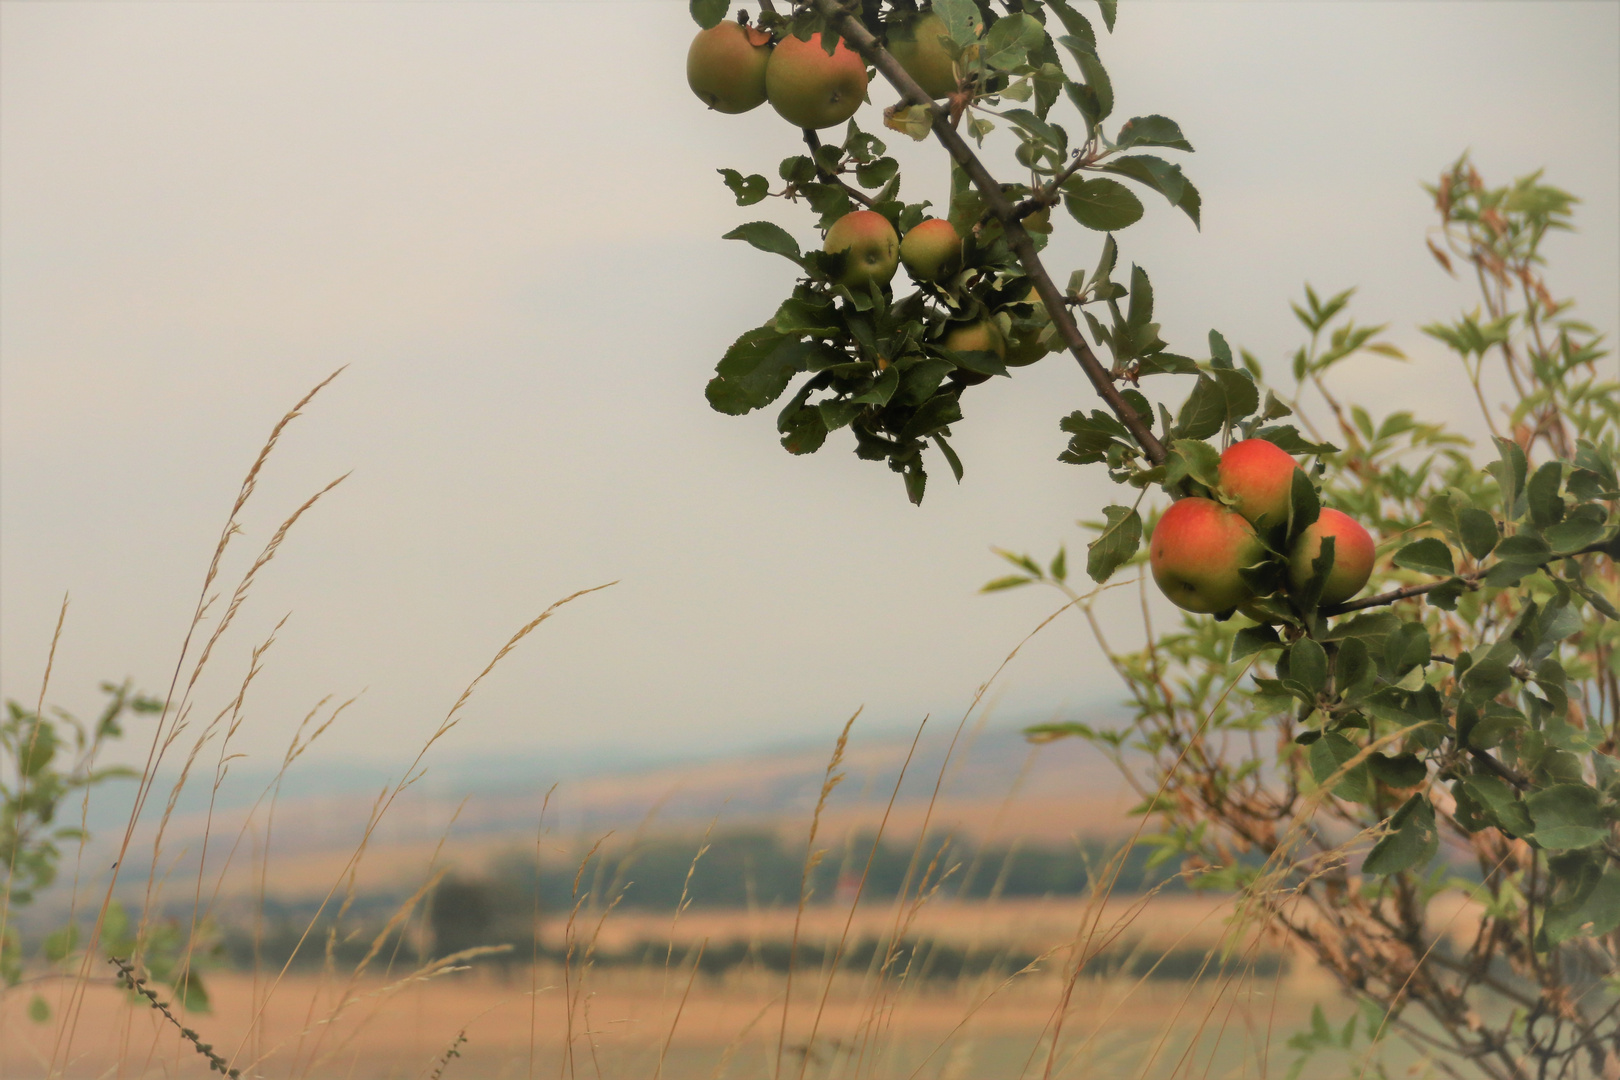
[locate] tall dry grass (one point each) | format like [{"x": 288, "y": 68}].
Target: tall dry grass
[{"x": 401, "y": 1010}]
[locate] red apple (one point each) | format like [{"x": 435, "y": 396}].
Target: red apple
[
  {"x": 1197, "y": 550},
  {"x": 931, "y": 250},
  {"x": 1258, "y": 476},
  {"x": 811, "y": 89},
  {"x": 725, "y": 67},
  {"x": 1353, "y": 552},
  {"x": 870, "y": 244}
]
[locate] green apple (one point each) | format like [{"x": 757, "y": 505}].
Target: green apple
[
  {"x": 810, "y": 89},
  {"x": 931, "y": 250},
  {"x": 981, "y": 336},
  {"x": 1353, "y": 555},
  {"x": 725, "y": 67},
  {"x": 915, "y": 43},
  {"x": 1258, "y": 476},
  {"x": 870, "y": 245},
  {"x": 1197, "y": 551}
]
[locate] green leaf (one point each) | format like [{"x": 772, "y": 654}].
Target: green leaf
[
  {"x": 1567, "y": 817},
  {"x": 950, "y": 457},
  {"x": 1406, "y": 649},
  {"x": 708, "y": 13},
  {"x": 1510, "y": 475},
  {"x": 1426, "y": 556},
  {"x": 1092, "y": 436},
  {"x": 1194, "y": 458},
  {"x": 39, "y": 1010},
  {"x": 1242, "y": 396},
  {"x": 1400, "y": 771},
  {"x": 1497, "y": 803},
  {"x": 1307, "y": 669},
  {"x": 1412, "y": 842},
  {"x": 754, "y": 371},
  {"x": 1203, "y": 413},
  {"x": 1253, "y": 639},
  {"x": 1009, "y": 41},
  {"x": 1060, "y": 565},
  {"x": 1074, "y": 22},
  {"x": 768, "y": 236},
  {"x": 1011, "y": 581},
  {"x": 750, "y": 189},
  {"x": 1478, "y": 531},
  {"x": 1151, "y": 131},
  {"x": 1109, "y": 10},
  {"x": 803, "y": 430},
  {"x": 877, "y": 173},
  {"x": 1097, "y": 81},
  {"x": 1329, "y": 754},
  {"x": 1373, "y": 627},
  {"x": 1541, "y": 494},
  {"x": 1115, "y": 545},
  {"x": 1101, "y": 204},
  {"x": 1583, "y": 525},
  {"x": 1287, "y": 438},
  {"x": 1484, "y": 680},
  {"x": 962, "y": 19},
  {"x": 1596, "y": 915}
]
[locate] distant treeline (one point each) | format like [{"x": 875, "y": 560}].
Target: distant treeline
[
  {"x": 738, "y": 870},
  {"x": 913, "y": 960},
  {"x": 760, "y": 869}
]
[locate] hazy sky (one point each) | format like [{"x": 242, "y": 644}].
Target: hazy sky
[{"x": 505, "y": 218}]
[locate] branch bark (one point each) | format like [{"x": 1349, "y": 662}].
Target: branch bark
[{"x": 854, "y": 32}]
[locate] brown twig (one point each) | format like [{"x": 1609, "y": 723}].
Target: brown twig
[
  {"x": 855, "y": 33},
  {"x": 813, "y": 141}
]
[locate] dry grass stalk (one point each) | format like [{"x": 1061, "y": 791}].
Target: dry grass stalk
[{"x": 830, "y": 780}]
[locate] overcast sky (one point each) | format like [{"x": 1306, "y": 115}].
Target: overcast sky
[{"x": 505, "y": 218}]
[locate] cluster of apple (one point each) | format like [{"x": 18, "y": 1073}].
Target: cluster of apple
[
  {"x": 732, "y": 67},
  {"x": 1201, "y": 546}
]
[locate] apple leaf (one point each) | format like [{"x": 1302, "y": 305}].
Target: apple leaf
[
  {"x": 1597, "y": 913},
  {"x": 755, "y": 370},
  {"x": 1287, "y": 437},
  {"x": 1406, "y": 648},
  {"x": 748, "y": 189},
  {"x": 1110, "y": 8},
  {"x": 1115, "y": 545},
  {"x": 1307, "y": 672},
  {"x": 1074, "y": 22},
  {"x": 1411, "y": 843},
  {"x": 1194, "y": 458},
  {"x": 1151, "y": 131},
  {"x": 1478, "y": 531},
  {"x": 708, "y": 13},
  {"x": 1426, "y": 556},
  {"x": 1161, "y": 176},
  {"x": 1541, "y": 493},
  {"x": 1203, "y": 413},
  {"x": 768, "y": 236},
  {"x": 1328, "y": 755},
  {"x": 1567, "y": 816},
  {"x": 962, "y": 19},
  {"x": 1101, "y": 204},
  {"x": 1494, "y": 803},
  {"x": 1253, "y": 639},
  {"x": 1400, "y": 771},
  {"x": 1010, "y": 40}
]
